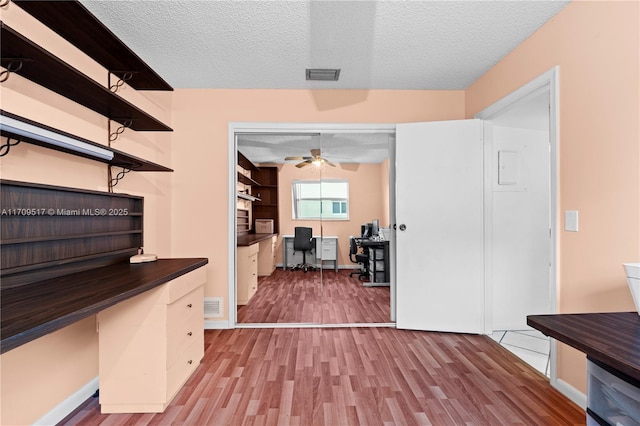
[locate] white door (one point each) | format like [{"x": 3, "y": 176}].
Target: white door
[{"x": 439, "y": 215}]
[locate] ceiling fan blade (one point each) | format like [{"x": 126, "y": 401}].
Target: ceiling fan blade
[
  {"x": 294, "y": 158},
  {"x": 304, "y": 163},
  {"x": 329, "y": 162},
  {"x": 315, "y": 152}
]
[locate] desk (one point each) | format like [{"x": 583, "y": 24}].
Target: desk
[
  {"x": 326, "y": 248},
  {"x": 613, "y": 353},
  {"x": 378, "y": 252}
]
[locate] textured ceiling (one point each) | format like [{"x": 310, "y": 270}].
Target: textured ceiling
[
  {"x": 339, "y": 148},
  {"x": 269, "y": 44}
]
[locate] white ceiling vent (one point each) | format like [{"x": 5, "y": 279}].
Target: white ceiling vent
[
  {"x": 323, "y": 74},
  {"x": 213, "y": 307}
]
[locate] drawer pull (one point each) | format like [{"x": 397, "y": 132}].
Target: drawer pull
[
  {"x": 189, "y": 305},
  {"x": 190, "y": 362},
  {"x": 189, "y": 334}
]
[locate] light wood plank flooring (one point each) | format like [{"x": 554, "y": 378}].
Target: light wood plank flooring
[
  {"x": 354, "y": 376},
  {"x": 299, "y": 297}
]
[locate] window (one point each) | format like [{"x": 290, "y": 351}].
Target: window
[{"x": 326, "y": 199}]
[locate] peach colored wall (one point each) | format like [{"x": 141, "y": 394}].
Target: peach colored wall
[
  {"x": 38, "y": 376},
  {"x": 596, "y": 45},
  {"x": 365, "y": 203},
  {"x": 200, "y": 182}
]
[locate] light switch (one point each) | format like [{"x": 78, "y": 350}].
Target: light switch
[{"x": 571, "y": 220}]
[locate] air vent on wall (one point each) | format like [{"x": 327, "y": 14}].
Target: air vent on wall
[
  {"x": 323, "y": 74},
  {"x": 213, "y": 307}
]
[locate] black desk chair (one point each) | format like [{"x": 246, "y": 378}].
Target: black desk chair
[
  {"x": 360, "y": 258},
  {"x": 303, "y": 241}
]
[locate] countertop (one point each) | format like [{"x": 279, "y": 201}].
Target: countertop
[
  {"x": 611, "y": 338},
  {"x": 249, "y": 239},
  {"x": 37, "y": 309}
]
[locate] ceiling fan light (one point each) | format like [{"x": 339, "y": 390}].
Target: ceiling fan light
[{"x": 323, "y": 74}]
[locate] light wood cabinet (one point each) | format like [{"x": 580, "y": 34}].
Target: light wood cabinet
[
  {"x": 267, "y": 256},
  {"x": 150, "y": 345},
  {"x": 247, "y": 273}
]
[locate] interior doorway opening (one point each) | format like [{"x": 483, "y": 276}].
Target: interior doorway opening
[{"x": 359, "y": 154}]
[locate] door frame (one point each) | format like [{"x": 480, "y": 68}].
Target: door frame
[
  {"x": 284, "y": 127},
  {"x": 548, "y": 80}
]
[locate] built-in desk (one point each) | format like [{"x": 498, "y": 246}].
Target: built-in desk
[
  {"x": 37, "y": 309},
  {"x": 611, "y": 342},
  {"x": 326, "y": 248},
  {"x": 255, "y": 256}
]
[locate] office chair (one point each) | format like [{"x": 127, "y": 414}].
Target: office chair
[
  {"x": 303, "y": 241},
  {"x": 360, "y": 258}
]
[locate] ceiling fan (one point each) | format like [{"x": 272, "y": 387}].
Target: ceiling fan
[{"x": 315, "y": 159}]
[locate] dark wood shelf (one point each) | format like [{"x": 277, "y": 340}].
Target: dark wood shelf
[
  {"x": 245, "y": 163},
  {"x": 48, "y": 231},
  {"x": 120, "y": 159},
  {"x": 68, "y": 237},
  {"x": 45, "y": 69},
  {"x": 246, "y": 180},
  {"x": 73, "y": 22}
]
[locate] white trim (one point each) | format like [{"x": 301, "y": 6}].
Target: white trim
[
  {"x": 487, "y": 134},
  {"x": 217, "y": 325},
  {"x": 547, "y": 81},
  {"x": 67, "y": 406},
  {"x": 570, "y": 392},
  {"x": 258, "y": 127},
  {"x": 316, "y": 325}
]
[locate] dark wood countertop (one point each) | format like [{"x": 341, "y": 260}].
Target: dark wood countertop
[
  {"x": 250, "y": 239},
  {"x": 611, "y": 338},
  {"x": 37, "y": 309}
]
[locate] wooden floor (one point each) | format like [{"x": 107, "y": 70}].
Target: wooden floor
[
  {"x": 299, "y": 297},
  {"x": 354, "y": 376}
]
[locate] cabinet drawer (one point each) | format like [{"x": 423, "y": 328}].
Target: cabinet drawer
[
  {"x": 189, "y": 304},
  {"x": 253, "y": 264},
  {"x": 185, "y": 283},
  {"x": 180, "y": 371},
  {"x": 184, "y": 325}
]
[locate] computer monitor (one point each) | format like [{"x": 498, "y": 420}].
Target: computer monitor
[
  {"x": 375, "y": 227},
  {"x": 366, "y": 230}
]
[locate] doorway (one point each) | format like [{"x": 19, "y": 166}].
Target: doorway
[
  {"x": 365, "y": 165},
  {"x": 521, "y": 218}
]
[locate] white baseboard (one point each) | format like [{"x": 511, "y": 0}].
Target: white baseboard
[
  {"x": 216, "y": 325},
  {"x": 570, "y": 392},
  {"x": 327, "y": 266},
  {"x": 67, "y": 406}
]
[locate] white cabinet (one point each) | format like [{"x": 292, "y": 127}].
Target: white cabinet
[
  {"x": 150, "y": 345},
  {"x": 247, "y": 273},
  {"x": 327, "y": 248}
]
